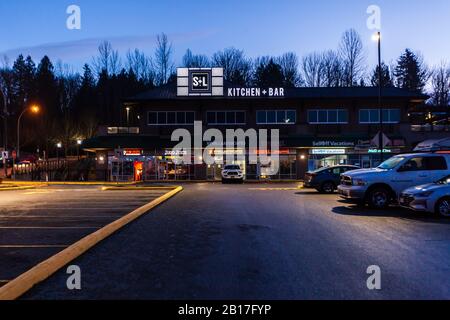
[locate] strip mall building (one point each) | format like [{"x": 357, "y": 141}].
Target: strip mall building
[{"x": 318, "y": 127}]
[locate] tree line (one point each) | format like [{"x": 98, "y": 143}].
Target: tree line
[{"x": 74, "y": 104}]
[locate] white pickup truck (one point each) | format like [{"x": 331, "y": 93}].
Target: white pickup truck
[{"x": 382, "y": 186}]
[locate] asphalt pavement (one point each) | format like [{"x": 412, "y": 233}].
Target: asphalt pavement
[{"x": 248, "y": 242}]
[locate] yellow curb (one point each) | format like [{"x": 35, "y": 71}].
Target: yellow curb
[
  {"x": 42, "y": 271},
  {"x": 136, "y": 188},
  {"x": 23, "y": 187}
]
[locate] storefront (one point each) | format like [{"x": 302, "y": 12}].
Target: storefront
[{"x": 317, "y": 127}]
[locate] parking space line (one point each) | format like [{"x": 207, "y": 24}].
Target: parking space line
[
  {"x": 33, "y": 246},
  {"x": 51, "y": 228},
  {"x": 60, "y": 217}
]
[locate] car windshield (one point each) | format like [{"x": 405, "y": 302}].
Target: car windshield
[
  {"x": 445, "y": 180},
  {"x": 233, "y": 167},
  {"x": 391, "y": 163},
  {"x": 320, "y": 170}
]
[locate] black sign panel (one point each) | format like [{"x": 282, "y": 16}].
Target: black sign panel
[{"x": 200, "y": 82}]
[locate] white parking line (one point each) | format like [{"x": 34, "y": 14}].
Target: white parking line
[
  {"x": 51, "y": 228},
  {"x": 33, "y": 246}
]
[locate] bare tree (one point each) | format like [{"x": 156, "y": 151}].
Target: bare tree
[
  {"x": 332, "y": 69},
  {"x": 191, "y": 60},
  {"x": 141, "y": 65},
  {"x": 440, "y": 81},
  {"x": 108, "y": 59},
  {"x": 164, "y": 65},
  {"x": 237, "y": 68},
  {"x": 352, "y": 54},
  {"x": 312, "y": 70},
  {"x": 290, "y": 69}
]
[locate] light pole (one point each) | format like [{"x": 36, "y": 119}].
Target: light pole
[
  {"x": 377, "y": 37},
  {"x": 79, "y": 143},
  {"x": 58, "y": 147},
  {"x": 5, "y": 119},
  {"x": 128, "y": 117},
  {"x": 34, "y": 109}
]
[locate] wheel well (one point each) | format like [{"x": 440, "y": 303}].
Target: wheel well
[
  {"x": 381, "y": 185},
  {"x": 439, "y": 200}
]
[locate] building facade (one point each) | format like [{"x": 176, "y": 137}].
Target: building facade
[{"x": 318, "y": 127}]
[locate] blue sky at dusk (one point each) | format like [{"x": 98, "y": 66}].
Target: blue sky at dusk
[{"x": 263, "y": 27}]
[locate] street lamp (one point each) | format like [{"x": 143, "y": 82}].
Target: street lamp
[
  {"x": 79, "y": 143},
  {"x": 128, "y": 116},
  {"x": 58, "y": 146},
  {"x": 5, "y": 119},
  {"x": 35, "y": 109},
  {"x": 377, "y": 37}
]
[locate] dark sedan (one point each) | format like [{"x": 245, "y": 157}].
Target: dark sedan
[{"x": 326, "y": 180}]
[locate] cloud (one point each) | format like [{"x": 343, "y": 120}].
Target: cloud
[{"x": 84, "y": 49}]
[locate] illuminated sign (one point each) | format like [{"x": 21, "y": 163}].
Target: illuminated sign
[
  {"x": 200, "y": 81},
  {"x": 379, "y": 151},
  {"x": 327, "y": 151},
  {"x": 327, "y": 143},
  {"x": 132, "y": 152},
  {"x": 256, "y": 92},
  {"x": 175, "y": 153},
  {"x": 195, "y": 82}
]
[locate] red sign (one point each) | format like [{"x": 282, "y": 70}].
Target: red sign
[{"x": 132, "y": 152}]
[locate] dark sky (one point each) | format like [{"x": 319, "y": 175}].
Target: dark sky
[{"x": 260, "y": 27}]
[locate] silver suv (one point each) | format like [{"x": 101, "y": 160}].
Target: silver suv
[{"x": 382, "y": 186}]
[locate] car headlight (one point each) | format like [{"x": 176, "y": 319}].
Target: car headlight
[
  {"x": 425, "y": 194},
  {"x": 359, "y": 182}
]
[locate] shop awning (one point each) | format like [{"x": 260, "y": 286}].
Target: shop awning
[{"x": 128, "y": 141}]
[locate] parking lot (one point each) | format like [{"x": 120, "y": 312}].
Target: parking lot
[
  {"x": 36, "y": 224},
  {"x": 216, "y": 241}
]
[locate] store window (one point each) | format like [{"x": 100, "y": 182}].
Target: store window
[
  {"x": 368, "y": 116},
  {"x": 225, "y": 117},
  {"x": 171, "y": 118},
  {"x": 331, "y": 116},
  {"x": 276, "y": 117}
]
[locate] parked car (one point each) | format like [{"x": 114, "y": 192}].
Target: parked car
[
  {"x": 327, "y": 179},
  {"x": 379, "y": 187},
  {"x": 432, "y": 197},
  {"x": 232, "y": 173}
]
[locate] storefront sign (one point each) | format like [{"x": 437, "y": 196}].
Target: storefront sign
[
  {"x": 256, "y": 92},
  {"x": 175, "y": 153},
  {"x": 379, "y": 151},
  {"x": 340, "y": 144},
  {"x": 132, "y": 152},
  {"x": 327, "y": 151},
  {"x": 195, "y": 82}
]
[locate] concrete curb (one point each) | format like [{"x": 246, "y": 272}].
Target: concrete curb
[
  {"x": 136, "y": 188},
  {"x": 71, "y": 183},
  {"x": 45, "y": 269},
  {"x": 23, "y": 187}
]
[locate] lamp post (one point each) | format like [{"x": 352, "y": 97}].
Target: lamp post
[
  {"x": 34, "y": 109},
  {"x": 58, "y": 147},
  {"x": 4, "y": 116},
  {"x": 128, "y": 117},
  {"x": 377, "y": 37},
  {"x": 79, "y": 143}
]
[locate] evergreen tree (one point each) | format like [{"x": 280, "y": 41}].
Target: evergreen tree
[
  {"x": 386, "y": 78},
  {"x": 411, "y": 72},
  {"x": 269, "y": 75}
]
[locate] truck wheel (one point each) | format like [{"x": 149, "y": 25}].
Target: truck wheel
[
  {"x": 327, "y": 187},
  {"x": 443, "y": 207},
  {"x": 379, "y": 198}
]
